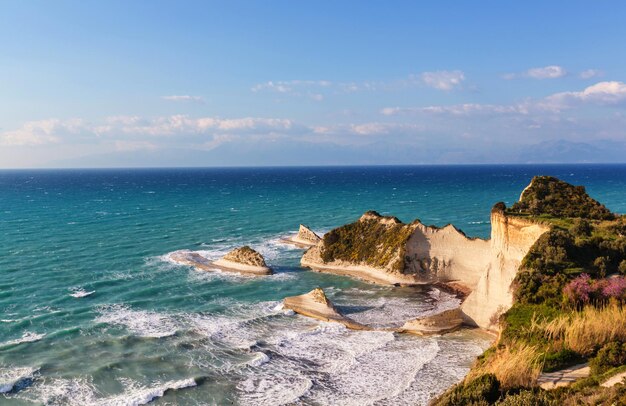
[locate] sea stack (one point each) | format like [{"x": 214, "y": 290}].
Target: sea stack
[
  {"x": 315, "y": 304},
  {"x": 304, "y": 239},
  {"x": 243, "y": 260}
]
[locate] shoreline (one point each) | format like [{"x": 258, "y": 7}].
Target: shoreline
[{"x": 364, "y": 273}]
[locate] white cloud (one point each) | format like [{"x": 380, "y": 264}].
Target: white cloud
[
  {"x": 289, "y": 86},
  {"x": 184, "y": 98},
  {"x": 443, "y": 80},
  {"x": 40, "y": 132},
  {"x": 590, "y": 73},
  {"x": 130, "y": 132},
  {"x": 602, "y": 93},
  {"x": 545, "y": 72},
  {"x": 456, "y": 109}
]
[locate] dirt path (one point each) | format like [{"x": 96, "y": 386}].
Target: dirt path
[
  {"x": 614, "y": 380},
  {"x": 563, "y": 377}
]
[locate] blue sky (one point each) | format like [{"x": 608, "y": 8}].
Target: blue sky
[{"x": 165, "y": 83}]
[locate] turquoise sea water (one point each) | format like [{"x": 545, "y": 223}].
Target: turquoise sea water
[{"x": 92, "y": 311}]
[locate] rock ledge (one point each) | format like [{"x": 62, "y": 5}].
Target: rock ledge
[{"x": 315, "y": 304}]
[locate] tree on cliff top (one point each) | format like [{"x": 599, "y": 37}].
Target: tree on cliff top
[{"x": 551, "y": 196}]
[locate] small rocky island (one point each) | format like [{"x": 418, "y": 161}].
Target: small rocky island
[
  {"x": 305, "y": 238},
  {"x": 242, "y": 260},
  {"x": 315, "y": 304}
]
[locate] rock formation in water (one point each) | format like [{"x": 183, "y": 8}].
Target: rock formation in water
[
  {"x": 384, "y": 250},
  {"x": 305, "y": 238},
  {"x": 440, "y": 323},
  {"x": 315, "y": 304},
  {"x": 243, "y": 260}
]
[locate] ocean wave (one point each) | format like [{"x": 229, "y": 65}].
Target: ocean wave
[
  {"x": 330, "y": 364},
  {"x": 80, "y": 292},
  {"x": 138, "y": 395},
  {"x": 81, "y": 391},
  {"x": 258, "y": 359},
  {"x": 27, "y": 337},
  {"x": 239, "y": 328},
  {"x": 141, "y": 323},
  {"x": 276, "y": 390},
  {"x": 14, "y": 377},
  {"x": 382, "y": 308}
]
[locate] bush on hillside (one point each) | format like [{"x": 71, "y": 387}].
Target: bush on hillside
[{"x": 610, "y": 356}]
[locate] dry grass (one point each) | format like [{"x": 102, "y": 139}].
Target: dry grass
[
  {"x": 587, "y": 330},
  {"x": 514, "y": 366}
]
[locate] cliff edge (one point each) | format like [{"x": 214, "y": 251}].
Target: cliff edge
[{"x": 384, "y": 250}]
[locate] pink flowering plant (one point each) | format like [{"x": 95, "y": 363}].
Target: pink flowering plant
[{"x": 583, "y": 290}]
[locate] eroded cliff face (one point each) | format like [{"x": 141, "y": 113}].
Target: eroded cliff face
[
  {"x": 511, "y": 238},
  {"x": 431, "y": 254}
]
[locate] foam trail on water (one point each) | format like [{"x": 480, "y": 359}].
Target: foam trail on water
[
  {"x": 142, "y": 323},
  {"x": 81, "y": 391},
  {"x": 27, "y": 337},
  {"x": 78, "y": 293},
  {"x": 143, "y": 395}
]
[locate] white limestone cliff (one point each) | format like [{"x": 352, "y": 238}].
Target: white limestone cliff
[{"x": 431, "y": 254}]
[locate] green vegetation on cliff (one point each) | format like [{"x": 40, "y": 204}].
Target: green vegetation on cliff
[
  {"x": 551, "y": 196},
  {"x": 566, "y": 308},
  {"x": 374, "y": 240}
]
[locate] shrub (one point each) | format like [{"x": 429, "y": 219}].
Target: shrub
[
  {"x": 580, "y": 290},
  {"x": 622, "y": 267},
  {"x": 583, "y": 290},
  {"x": 553, "y": 361},
  {"x": 535, "y": 397},
  {"x": 482, "y": 390},
  {"x": 602, "y": 265},
  {"x": 581, "y": 227},
  {"x": 611, "y": 355}
]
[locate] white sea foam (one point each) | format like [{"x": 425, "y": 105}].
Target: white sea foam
[
  {"x": 141, "y": 323},
  {"x": 80, "y": 292},
  {"x": 10, "y": 377},
  {"x": 27, "y": 337},
  {"x": 280, "y": 389},
  {"x": 81, "y": 391},
  {"x": 136, "y": 395},
  {"x": 258, "y": 359},
  {"x": 239, "y": 328},
  {"x": 376, "y": 307}
]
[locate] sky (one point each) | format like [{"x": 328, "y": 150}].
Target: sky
[{"x": 245, "y": 83}]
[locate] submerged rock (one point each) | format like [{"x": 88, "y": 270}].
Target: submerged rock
[
  {"x": 315, "y": 304},
  {"x": 440, "y": 323}
]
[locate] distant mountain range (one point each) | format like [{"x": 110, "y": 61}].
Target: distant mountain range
[{"x": 294, "y": 153}]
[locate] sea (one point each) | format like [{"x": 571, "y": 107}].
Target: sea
[{"x": 93, "y": 312}]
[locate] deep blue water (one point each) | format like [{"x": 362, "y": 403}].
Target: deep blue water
[{"x": 151, "y": 325}]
